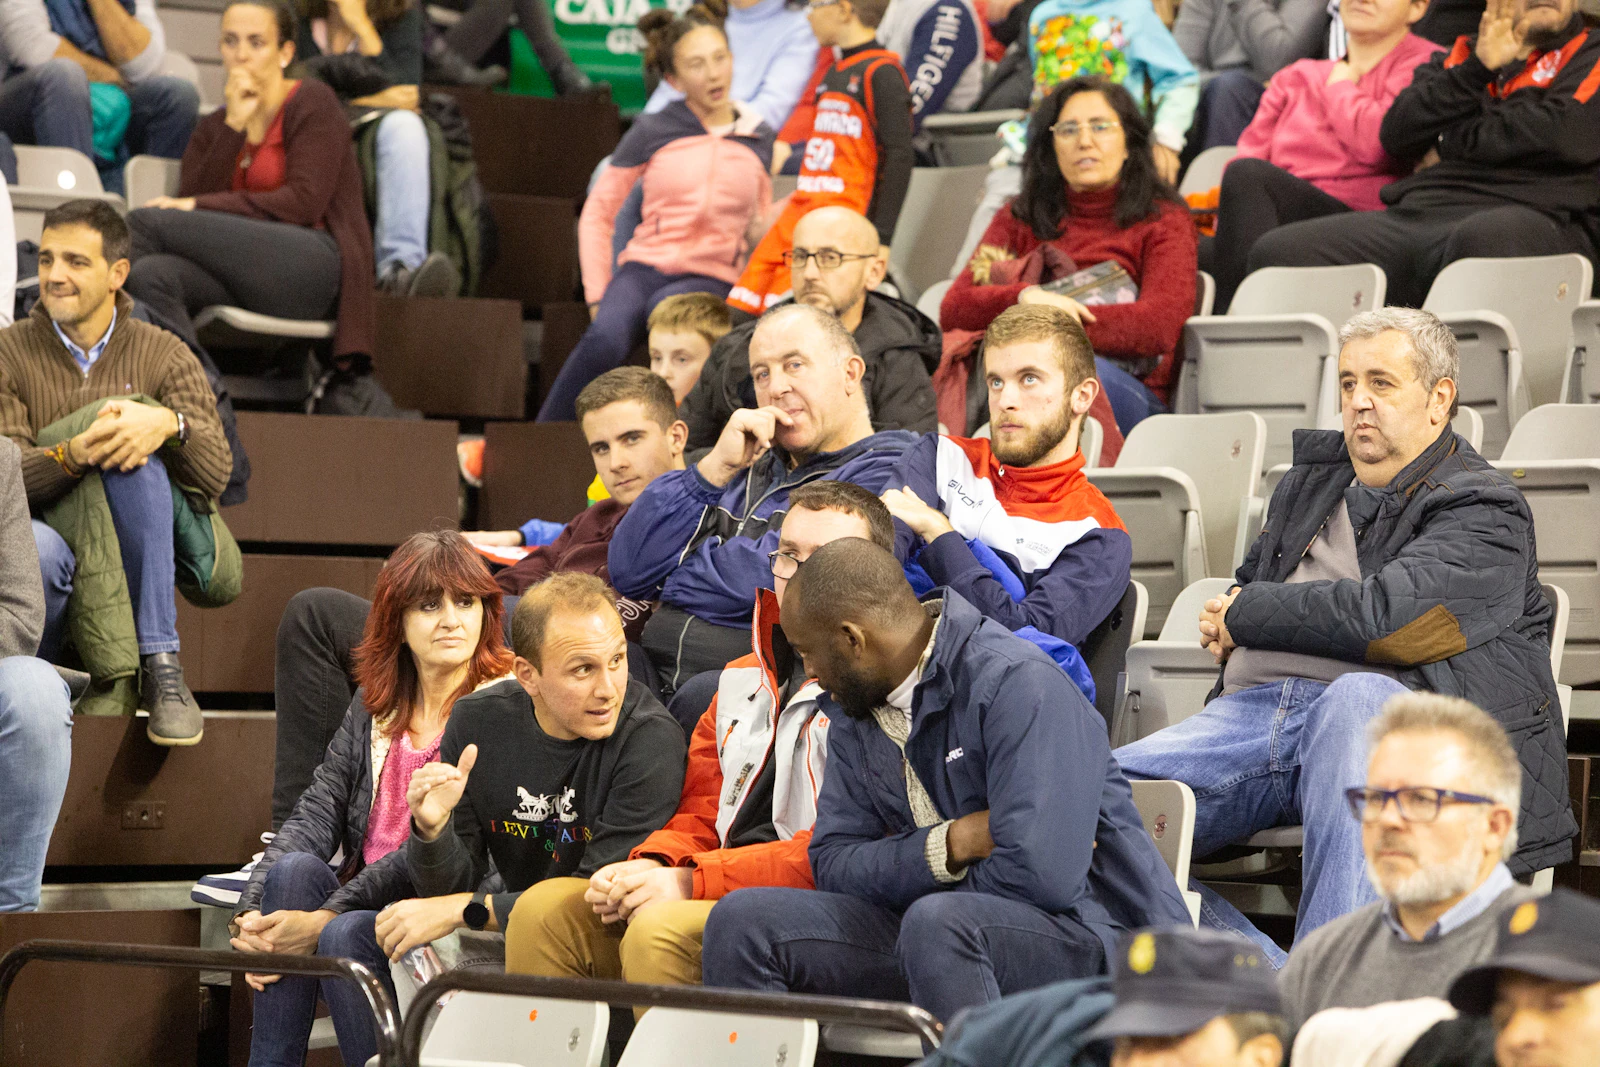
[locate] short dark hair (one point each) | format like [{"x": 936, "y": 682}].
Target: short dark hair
[
  {"x": 870, "y": 12},
  {"x": 830, "y": 494},
  {"x": 1042, "y": 203},
  {"x": 282, "y": 13},
  {"x": 662, "y": 30},
  {"x": 851, "y": 579},
  {"x": 1021, "y": 323},
  {"x": 100, "y": 217},
  {"x": 630, "y": 383},
  {"x": 562, "y": 591}
]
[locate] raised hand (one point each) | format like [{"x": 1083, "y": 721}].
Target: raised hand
[
  {"x": 242, "y": 98},
  {"x": 1500, "y": 39},
  {"x": 745, "y": 439},
  {"x": 436, "y": 789}
]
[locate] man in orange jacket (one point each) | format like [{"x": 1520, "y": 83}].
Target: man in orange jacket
[{"x": 749, "y": 797}]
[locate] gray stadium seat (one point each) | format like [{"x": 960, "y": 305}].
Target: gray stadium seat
[
  {"x": 1206, "y": 170},
  {"x": 1166, "y": 808},
  {"x": 48, "y": 178},
  {"x": 933, "y": 222},
  {"x": 670, "y": 1037},
  {"x": 147, "y": 177},
  {"x": 964, "y": 139},
  {"x": 1582, "y": 377},
  {"x": 1276, "y": 351},
  {"x": 1169, "y": 677}
]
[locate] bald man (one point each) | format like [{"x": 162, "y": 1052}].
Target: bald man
[
  {"x": 973, "y": 838},
  {"x": 698, "y": 540},
  {"x": 899, "y": 344}
]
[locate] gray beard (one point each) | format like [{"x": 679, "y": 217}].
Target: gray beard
[{"x": 1431, "y": 885}]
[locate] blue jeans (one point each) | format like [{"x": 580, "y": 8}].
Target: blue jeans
[
  {"x": 284, "y": 1011},
  {"x": 35, "y": 755},
  {"x": 1227, "y": 104},
  {"x": 57, "y": 566},
  {"x": 1276, "y": 755},
  {"x": 400, "y": 234},
  {"x": 950, "y": 950},
  {"x": 49, "y": 105},
  {"x": 618, "y": 326},
  {"x": 141, "y": 511},
  {"x": 1131, "y": 400}
]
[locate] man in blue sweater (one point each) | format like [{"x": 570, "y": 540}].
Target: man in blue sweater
[
  {"x": 698, "y": 540},
  {"x": 974, "y": 837}
]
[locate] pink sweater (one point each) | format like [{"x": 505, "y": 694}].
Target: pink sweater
[
  {"x": 389, "y": 823},
  {"x": 702, "y": 193},
  {"x": 1328, "y": 134}
]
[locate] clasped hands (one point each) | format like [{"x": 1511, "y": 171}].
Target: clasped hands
[
  {"x": 1214, "y": 635},
  {"x": 123, "y": 436},
  {"x": 618, "y": 890}
]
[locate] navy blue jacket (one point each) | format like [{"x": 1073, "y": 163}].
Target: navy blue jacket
[
  {"x": 993, "y": 727},
  {"x": 703, "y": 548}
]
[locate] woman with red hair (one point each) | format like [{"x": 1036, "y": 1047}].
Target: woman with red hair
[{"x": 434, "y": 635}]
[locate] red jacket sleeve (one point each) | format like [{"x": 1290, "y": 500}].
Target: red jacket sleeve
[
  {"x": 967, "y": 305},
  {"x": 690, "y": 837},
  {"x": 1153, "y": 324},
  {"x": 316, "y": 137}
]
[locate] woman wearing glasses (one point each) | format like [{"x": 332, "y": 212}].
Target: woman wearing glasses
[
  {"x": 702, "y": 162},
  {"x": 1091, "y": 197}
]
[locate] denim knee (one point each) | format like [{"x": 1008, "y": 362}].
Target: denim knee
[
  {"x": 166, "y": 95},
  {"x": 933, "y": 928},
  {"x": 349, "y": 935},
  {"x": 404, "y": 131},
  {"x": 1349, "y": 703},
  {"x": 734, "y": 936},
  {"x": 297, "y": 881},
  {"x": 57, "y": 564},
  {"x": 33, "y": 687},
  {"x": 63, "y": 81}
]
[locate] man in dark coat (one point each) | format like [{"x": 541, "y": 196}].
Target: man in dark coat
[
  {"x": 974, "y": 837},
  {"x": 899, "y": 344},
  {"x": 1394, "y": 558}
]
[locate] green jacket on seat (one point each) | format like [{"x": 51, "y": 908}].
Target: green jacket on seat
[{"x": 100, "y": 611}]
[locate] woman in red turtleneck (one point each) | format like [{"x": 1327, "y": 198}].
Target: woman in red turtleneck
[{"x": 1090, "y": 190}]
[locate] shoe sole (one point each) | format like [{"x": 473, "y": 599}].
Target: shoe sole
[
  {"x": 435, "y": 277},
  {"x": 218, "y": 898},
  {"x": 173, "y": 742}
]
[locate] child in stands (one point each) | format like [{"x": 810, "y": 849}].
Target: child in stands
[
  {"x": 682, "y": 331},
  {"x": 859, "y": 149}
]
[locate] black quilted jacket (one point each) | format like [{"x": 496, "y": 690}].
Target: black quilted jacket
[
  {"x": 332, "y": 814},
  {"x": 1449, "y": 596}
]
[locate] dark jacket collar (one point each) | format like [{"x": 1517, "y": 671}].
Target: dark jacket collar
[
  {"x": 1325, "y": 447},
  {"x": 958, "y": 620}
]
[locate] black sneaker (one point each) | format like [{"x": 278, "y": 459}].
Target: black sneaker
[{"x": 175, "y": 717}]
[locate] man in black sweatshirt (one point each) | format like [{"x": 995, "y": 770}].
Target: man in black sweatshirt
[
  {"x": 555, "y": 773},
  {"x": 1505, "y": 132}
]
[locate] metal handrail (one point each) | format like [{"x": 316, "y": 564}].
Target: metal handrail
[
  {"x": 902, "y": 1017},
  {"x": 390, "y": 1049}
]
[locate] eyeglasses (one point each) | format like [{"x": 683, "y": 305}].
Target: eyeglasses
[
  {"x": 815, "y": 4},
  {"x": 827, "y": 258},
  {"x": 783, "y": 565},
  {"x": 1068, "y": 131},
  {"x": 1415, "y": 803}
]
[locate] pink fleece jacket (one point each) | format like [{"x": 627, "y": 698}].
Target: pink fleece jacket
[
  {"x": 702, "y": 192},
  {"x": 1328, "y": 134}
]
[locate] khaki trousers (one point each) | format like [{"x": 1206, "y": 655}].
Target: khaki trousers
[{"x": 554, "y": 932}]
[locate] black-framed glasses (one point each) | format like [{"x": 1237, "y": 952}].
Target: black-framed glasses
[
  {"x": 783, "y": 564},
  {"x": 1098, "y": 128},
  {"x": 1415, "y": 803},
  {"x": 827, "y": 258}
]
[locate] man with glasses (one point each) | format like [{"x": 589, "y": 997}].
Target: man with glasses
[
  {"x": 835, "y": 267},
  {"x": 1394, "y": 558},
  {"x": 697, "y": 540},
  {"x": 1438, "y": 818},
  {"x": 756, "y": 761}
]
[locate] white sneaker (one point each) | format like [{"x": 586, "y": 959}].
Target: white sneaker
[{"x": 224, "y": 890}]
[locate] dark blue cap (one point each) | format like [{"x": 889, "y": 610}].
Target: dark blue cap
[
  {"x": 1556, "y": 937},
  {"x": 1172, "y": 981}
]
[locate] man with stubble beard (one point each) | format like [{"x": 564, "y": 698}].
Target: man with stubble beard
[
  {"x": 973, "y": 838},
  {"x": 978, "y": 515}
]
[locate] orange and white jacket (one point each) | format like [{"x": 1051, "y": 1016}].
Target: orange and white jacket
[{"x": 739, "y": 733}]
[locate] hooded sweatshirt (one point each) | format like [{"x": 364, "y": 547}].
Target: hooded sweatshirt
[
  {"x": 703, "y": 548},
  {"x": 702, "y": 191},
  {"x": 899, "y": 344}
]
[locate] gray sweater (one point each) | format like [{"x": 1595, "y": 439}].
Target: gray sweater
[
  {"x": 1357, "y": 961},
  {"x": 1262, "y": 36},
  {"x": 21, "y": 589}
]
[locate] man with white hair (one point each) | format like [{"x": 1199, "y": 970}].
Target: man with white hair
[
  {"x": 1394, "y": 558},
  {"x": 698, "y": 540},
  {"x": 1438, "y": 816}
]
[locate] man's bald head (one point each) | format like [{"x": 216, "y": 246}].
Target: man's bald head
[
  {"x": 854, "y": 618},
  {"x": 842, "y": 291}
]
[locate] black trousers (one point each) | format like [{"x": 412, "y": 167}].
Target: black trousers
[
  {"x": 681, "y": 646},
  {"x": 1257, "y": 197},
  {"x": 314, "y": 683},
  {"x": 1413, "y": 244},
  {"x": 184, "y": 261}
]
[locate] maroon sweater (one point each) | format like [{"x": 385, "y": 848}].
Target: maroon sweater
[
  {"x": 581, "y": 546},
  {"x": 322, "y": 189},
  {"x": 1159, "y": 252}
]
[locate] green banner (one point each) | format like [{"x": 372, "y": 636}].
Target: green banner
[{"x": 602, "y": 38}]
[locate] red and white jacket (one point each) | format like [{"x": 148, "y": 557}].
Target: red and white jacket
[{"x": 743, "y": 729}]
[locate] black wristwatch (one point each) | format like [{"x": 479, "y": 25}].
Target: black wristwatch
[
  {"x": 181, "y": 438},
  {"x": 476, "y": 913}
]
